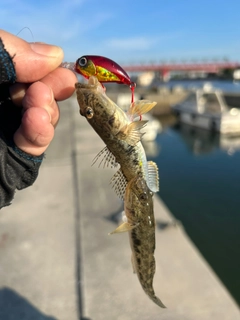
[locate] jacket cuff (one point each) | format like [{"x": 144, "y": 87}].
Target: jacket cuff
[
  {"x": 18, "y": 170},
  {"x": 7, "y": 70}
]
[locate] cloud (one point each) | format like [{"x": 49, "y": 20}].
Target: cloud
[
  {"x": 62, "y": 21},
  {"x": 144, "y": 43},
  {"x": 133, "y": 43}
]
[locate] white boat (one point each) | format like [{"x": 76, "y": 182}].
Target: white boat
[
  {"x": 152, "y": 129},
  {"x": 206, "y": 108}
]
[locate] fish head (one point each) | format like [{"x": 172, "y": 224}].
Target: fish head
[{"x": 97, "y": 107}]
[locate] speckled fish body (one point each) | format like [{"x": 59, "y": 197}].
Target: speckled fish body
[
  {"x": 140, "y": 224},
  {"x": 121, "y": 134}
]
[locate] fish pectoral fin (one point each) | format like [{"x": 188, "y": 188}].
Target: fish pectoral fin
[
  {"x": 140, "y": 107},
  {"x": 124, "y": 227},
  {"x": 153, "y": 177},
  {"x": 131, "y": 133}
]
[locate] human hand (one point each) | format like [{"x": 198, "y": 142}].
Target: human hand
[{"x": 40, "y": 83}]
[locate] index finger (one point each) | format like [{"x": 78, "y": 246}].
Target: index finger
[
  {"x": 32, "y": 61},
  {"x": 61, "y": 81}
]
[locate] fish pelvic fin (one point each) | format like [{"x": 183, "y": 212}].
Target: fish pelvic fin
[
  {"x": 153, "y": 176},
  {"x": 124, "y": 227},
  {"x": 131, "y": 133},
  {"x": 140, "y": 107}
]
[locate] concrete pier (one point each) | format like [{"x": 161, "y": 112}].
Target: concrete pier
[{"x": 58, "y": 262}]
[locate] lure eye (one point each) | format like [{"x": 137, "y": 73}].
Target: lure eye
[
  {"x": 82, "y": 61},
  {"x": 89, "y": 112}
]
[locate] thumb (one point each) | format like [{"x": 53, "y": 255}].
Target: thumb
[{"x": 32, "y": 61}]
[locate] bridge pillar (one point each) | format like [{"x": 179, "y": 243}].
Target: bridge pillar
[{"x": 165, "y": 75}]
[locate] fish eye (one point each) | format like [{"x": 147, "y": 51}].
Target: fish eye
[
  {"x": 89, "y": 112},
  {"x": 82, "y": 61},
  {"x": 143, "y": 196}
]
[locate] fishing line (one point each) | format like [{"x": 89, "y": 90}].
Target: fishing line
[{"x": 29, "y": 31}]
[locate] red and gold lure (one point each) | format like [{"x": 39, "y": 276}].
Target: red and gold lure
[{"x": 104, "y": 69}]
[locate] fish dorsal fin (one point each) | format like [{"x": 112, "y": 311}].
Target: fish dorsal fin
[
  {"x": 131, "y": 133},
  {"x": 153, "y": 177},
  {"x": 140, "y": 107},
  {"x": 107, "y": 158},
  {"x": 119, "y": 183}
]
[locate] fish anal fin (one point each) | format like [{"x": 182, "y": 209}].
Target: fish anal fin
[
  {"x": 124, "y": 227},
  {"x": 153, "y": 176},
  {"x": 131, "y": 133},
  {"x": 119, "y": 183},
  {"x": 140, "y": 107}
]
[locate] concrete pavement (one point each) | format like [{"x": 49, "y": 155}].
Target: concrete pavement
[{"x": 58, "y": 262}]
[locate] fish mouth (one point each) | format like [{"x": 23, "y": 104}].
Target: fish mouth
[
  {"x": 93, "y": 84},
  {"x": 89, "y": 92}
]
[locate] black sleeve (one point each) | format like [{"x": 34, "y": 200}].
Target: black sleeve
[{"x": 18, "y": 170}]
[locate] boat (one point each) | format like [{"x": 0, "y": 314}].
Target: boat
[
  {"x": 152, "y": 129},
  {"x": 206, "y": 108},
  {"x": 202, "y": 142}
]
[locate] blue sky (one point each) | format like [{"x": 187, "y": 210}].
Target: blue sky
[{"x": 130, "y": 31}]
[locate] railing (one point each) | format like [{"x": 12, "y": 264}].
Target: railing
[{"x": 165, "y": 67}]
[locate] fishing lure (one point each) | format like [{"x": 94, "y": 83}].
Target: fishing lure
[{"x": 104, "y": 69}]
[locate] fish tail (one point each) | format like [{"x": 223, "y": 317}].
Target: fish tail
[
  {"x": 156, "y": 300},
  {"x": 151, "y": 294}
]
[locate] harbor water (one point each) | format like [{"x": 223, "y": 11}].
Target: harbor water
[
  {"x": 228, "y": 86},
  {"x": 199, "y": 182}
]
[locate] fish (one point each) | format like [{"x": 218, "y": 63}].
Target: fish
[
  {"x": 139, "y": 222},
  {"x": 120, "y": 133}
]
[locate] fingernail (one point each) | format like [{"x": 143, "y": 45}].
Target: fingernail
[
  {"x": 17, "y": 92},
  {"x": 47, "y": 49}
]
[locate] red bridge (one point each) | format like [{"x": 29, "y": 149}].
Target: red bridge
[{"x": 211, "y": 67}]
